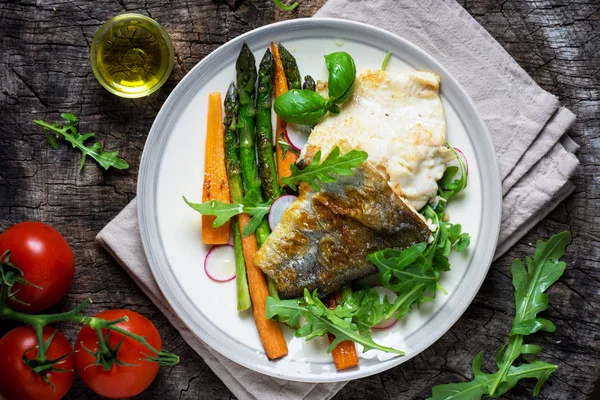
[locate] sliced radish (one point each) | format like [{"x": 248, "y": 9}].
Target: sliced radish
[
  {"x": 278, "y": 207},
  {"x": 219, "y": 263},
  {"x": 462, "y": 155},
  {"x": 297, "y": 135},
  {"x": 391, "y": 296}
]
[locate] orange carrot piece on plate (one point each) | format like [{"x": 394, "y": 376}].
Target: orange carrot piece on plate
[
  {"x": 283, "y": 160},
  {"x": 268, "y": 330},
  {"x": 344, "y": 354},
  {"x": 216, "y": 185}
]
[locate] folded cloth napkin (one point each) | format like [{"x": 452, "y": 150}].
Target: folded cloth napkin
[{"x": 526, "y": 124}]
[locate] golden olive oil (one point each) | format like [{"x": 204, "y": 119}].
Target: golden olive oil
[{"x": 132, "y": 55}]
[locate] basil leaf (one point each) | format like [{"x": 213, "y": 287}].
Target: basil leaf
[
  {"x": 303, "y": 107},
  {"x": 342, "y": 76}
]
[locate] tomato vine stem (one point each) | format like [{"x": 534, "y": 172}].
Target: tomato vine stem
[{"x": 106, "y": 356}]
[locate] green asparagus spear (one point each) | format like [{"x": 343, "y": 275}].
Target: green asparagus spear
[
  {"x": 246, "y": 78},
  {"x": 245, "y": 67},
  {"x": 290, "y": 67},
  {"x": 264, "y": 139},
  {"x": 309, "y": 83},
  {"x": 236, "y": 192}
]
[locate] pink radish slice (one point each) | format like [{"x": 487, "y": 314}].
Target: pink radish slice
[
  {"x": 462, "y": 155},
  {"x": 219, "y": 263},
  {"x": 391, "y": 296},
  {"x": 297, "y": 135},
  {"x": 287, "y": 139},
  {"x": 278, "y": 207}
]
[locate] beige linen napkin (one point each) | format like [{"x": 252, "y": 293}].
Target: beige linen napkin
[{"x": 526, "y": 123}]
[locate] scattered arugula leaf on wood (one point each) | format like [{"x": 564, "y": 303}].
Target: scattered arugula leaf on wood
[
  {"x": 69, "y": 131},
  {"x": 333, "y": 164},
  {"x": 530, "y": 281},
  {"x": 285, "y": 7}
]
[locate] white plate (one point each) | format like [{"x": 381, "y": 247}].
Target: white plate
[{"x": 173, "y": 162}]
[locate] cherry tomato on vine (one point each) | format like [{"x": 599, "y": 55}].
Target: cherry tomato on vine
[
  {"x": 17, "y": 379},
  {"x": 46, "y": 260},
  {"x": 120, "y": 381}
]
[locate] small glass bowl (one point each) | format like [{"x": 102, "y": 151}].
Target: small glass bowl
[{"x": 118, "y": 29}]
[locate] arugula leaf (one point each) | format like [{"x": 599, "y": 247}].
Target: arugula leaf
[
  {"x": 284, "y": 7},
  {"x": 364, "y": 307},
  {"x": 320, "y": 320},
  {"x": 539, "y": 370},
  {"x": 285, "y": 146},
  {"x": 445, "y": 237},
  {"x": 402, "y": 270},
  {"x": 224, "y": 211},
  {"x": 404, "y": 302},
  {"x": 478, "y": 387},
  {"x": 106, "y": 159},
  {"x": 449, "y": 187},
  {"x": 254, "y": 207},
  {"x": 334, "y": 164},
  {"x": 475, "y": 389},
  {"x": 287, "y": 311},
  {"x": 530, "y": 283}
]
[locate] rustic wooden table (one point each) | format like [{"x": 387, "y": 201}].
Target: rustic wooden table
[{"x": 45, "y": 70}]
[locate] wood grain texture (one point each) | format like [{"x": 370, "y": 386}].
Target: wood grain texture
[{"x": 44, "y": 70}]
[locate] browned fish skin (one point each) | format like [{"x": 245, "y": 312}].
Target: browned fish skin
[{"x": 323, "y": 238}]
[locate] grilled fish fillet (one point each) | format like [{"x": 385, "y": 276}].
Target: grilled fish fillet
[
  {"x": 398, "y": 119},
  {"x": 323, "y": 238}
]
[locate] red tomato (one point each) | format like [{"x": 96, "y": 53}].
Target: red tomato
[
  {"x": 46, "y": 260},
  {"x": 18, "y": 381},
  {"x": 120, "y": 381}
]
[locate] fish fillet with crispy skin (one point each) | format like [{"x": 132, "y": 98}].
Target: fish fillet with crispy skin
[{"x": 324, "y": 237}]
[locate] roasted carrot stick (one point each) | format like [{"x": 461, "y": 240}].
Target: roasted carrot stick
[
  {"x": 268, "y": 330},
  {"x": 216, "y": 184},
  {"x": 283, "y": 160},
  {"x": 344, "y": 354}
]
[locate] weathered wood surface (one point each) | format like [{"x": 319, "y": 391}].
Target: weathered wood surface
[{"x": 44, "y": 70}]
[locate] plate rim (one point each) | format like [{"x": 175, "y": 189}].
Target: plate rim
[{"x": 494, "y": 220}]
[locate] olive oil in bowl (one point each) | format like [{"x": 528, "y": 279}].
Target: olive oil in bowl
[{"x": 131, "y": 55}]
